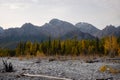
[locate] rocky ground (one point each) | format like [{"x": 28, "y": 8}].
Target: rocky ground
[{"x": 71, "y": 69}]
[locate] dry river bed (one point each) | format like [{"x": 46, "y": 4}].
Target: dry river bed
[{"x": 71, "y": 69}]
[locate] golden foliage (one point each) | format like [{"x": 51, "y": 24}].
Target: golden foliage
[
  {"x": 103, "y": 68},
  {"x": 40, "y": 54},
  {"x": 113, "y": 71},
  {"x": 111, "y": 45},
  {"x": 119, "y": 52}
]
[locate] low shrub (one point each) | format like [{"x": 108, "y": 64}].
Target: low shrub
[
  {"x": 109, "y": 69},
  {"x": 103, "y": 68}
]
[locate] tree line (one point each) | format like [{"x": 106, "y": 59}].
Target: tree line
[{"x": 108, "y": 46}]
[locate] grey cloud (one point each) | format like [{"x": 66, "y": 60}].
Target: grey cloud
[{"x": 98, "y": 12}]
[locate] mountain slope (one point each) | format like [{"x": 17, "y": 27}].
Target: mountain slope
[
  {"x": 87, "y": 28},
  {"x": 27, "y": 32},
  {"x": 118, "y": 31},
  {"x": 77, "y": 34},
  {"x": 63, "y": 30},
  {"x": 109, "y": 31},
  {"x": 57, "y": 28},
  {"x": 1, "y": 30}
]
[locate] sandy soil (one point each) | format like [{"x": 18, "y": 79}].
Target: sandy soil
[{"x": 72, "y": 69}]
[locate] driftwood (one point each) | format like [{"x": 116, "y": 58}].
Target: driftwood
[
  {"x": 8, "y": 66},
  {"x": 51, "y": 59},
  {"x": 113, "y": 59},
  {"x": 45, "y": 76},
  {"x": 111, "y": 78},
  {"x": 92, "y": 61},
  {"x": 99, "y": 60}
]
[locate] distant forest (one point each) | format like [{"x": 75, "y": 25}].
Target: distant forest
[{"x": 108, "y": 46}]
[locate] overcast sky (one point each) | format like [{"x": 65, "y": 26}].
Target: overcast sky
[{"x": 14, "y": 13}]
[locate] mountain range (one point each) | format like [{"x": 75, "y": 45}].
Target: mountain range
[{"x": 55, "y": 29}]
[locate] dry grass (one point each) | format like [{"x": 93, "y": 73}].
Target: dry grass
[
  {"x": 114, "y": 71},
  {"x": 40, "y": 55},
  {"x": 20, "y": 58},
  {"x": 105, "y": 68},
  {"x": 80, "y": 57},
  {"x": 88, "y": 57},
  {"x": 25, "y": 57}
]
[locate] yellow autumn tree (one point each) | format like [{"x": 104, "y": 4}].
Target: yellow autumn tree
[
  {"x": 83, "y": 46},
  {"x": 119, "y": 51},
  {"x": 111, "y": 46}
]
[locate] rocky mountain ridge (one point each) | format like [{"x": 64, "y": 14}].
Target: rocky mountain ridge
[{"x": 55, "y": 29}]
